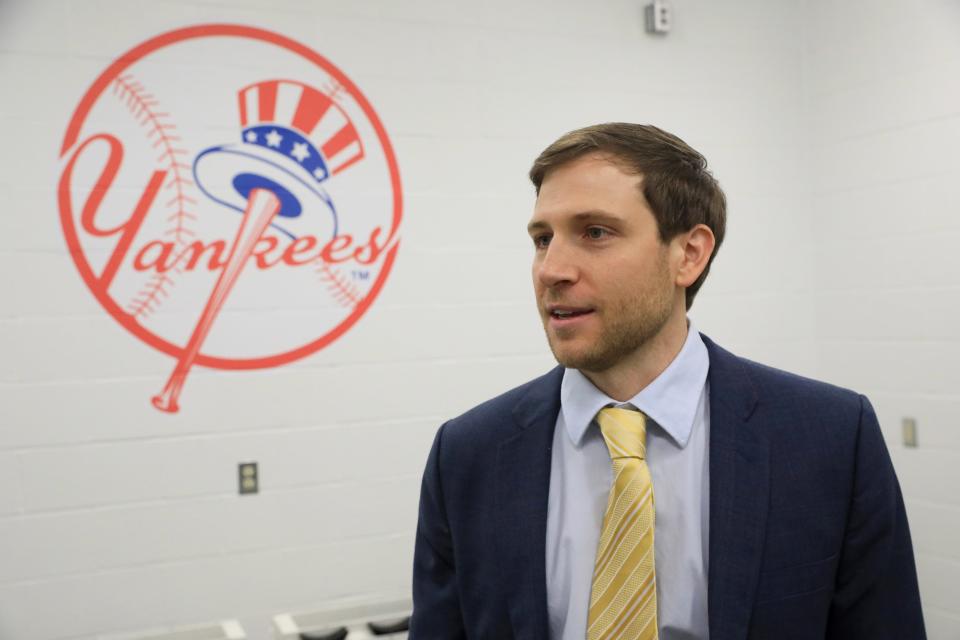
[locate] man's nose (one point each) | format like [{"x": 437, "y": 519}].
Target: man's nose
[{"x": 556, "y": 265}]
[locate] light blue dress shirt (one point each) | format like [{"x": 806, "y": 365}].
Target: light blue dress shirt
[{"x": 677, "y": 404}]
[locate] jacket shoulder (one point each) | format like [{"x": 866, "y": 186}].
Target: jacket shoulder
[
  {"x": 785, "y": 384},
  {"x": 780, "y": 390},
  {"x": 496, "y": 418}
]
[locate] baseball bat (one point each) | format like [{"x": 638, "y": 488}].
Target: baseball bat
[{"x": 262, "y": 206}]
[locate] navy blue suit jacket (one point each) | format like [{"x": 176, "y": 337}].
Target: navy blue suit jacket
[{"x": 808, "y": 535}]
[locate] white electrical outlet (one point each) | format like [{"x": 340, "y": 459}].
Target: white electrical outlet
[{"x": 659, "y": 17}]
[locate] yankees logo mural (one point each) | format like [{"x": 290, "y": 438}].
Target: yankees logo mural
[{"x": 230, "y": 197}]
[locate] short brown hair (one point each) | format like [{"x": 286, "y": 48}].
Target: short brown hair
[{"x": 675, "y": 181}]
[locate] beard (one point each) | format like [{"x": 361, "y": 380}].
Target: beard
[{"x": 627, "y": 326}]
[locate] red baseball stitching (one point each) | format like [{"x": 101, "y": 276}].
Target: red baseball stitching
[
  {"x": 343, "y": 291},
  {"x": 333, "y": 89},
  {"x": 161, "y": 130}
]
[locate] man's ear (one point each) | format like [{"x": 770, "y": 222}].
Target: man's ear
[{"x": 694, "y": 249}]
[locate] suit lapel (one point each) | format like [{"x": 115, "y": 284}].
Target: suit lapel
[
  {"x": 523, "y": 485},
  {"x": 739, "y": 491}
]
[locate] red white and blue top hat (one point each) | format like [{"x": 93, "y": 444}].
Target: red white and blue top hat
[{"x": 294, "y": 138}]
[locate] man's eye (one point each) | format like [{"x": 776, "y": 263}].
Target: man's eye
[
  {"x": 541, "y": 241},
  {"x": 596, "y": 233}
]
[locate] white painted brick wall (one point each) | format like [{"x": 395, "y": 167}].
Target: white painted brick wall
[
  {"x": 114, "y": 517},
  {"x": 884, "y": 123}
]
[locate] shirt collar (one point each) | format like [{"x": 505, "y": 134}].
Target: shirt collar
[{"x": 670, "y": 400}]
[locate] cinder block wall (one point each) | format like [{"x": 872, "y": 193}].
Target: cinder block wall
[
  {"x": 884, "y": 119},
  {"x": 115, "y": 517}
]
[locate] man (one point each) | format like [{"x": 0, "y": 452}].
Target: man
[{"x": 654, "y": 485}]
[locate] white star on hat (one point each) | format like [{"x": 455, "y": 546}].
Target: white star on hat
[
  {"x": 251, "y": 136},
  {"x": 274, "y": 139},
  {"x": 300, "y": 151}
]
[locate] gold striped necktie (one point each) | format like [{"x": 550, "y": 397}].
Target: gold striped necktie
[{"x": 623, "y": 599}]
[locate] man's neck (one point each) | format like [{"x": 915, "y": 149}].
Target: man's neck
[{"x": 632, "y": 374}]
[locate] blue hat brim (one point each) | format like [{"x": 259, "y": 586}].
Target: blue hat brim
[{"x": 227, "y": 173}]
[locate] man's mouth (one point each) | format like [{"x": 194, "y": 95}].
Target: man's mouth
[{"x": 566, "y": 313}]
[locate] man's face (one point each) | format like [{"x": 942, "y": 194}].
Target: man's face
[{"x": 602, "y": 277}]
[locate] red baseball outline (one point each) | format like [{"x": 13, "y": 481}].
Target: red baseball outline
[{"x": 66, "y": 212}]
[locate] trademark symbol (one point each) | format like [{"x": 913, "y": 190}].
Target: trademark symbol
[{"x": 361, "y": 274}]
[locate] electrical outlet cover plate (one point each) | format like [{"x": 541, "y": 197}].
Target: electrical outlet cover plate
[
  {"x": 909, "y": 432},
  {"x": 659, "y": 17},
  {"x": 248, "y": 478}
]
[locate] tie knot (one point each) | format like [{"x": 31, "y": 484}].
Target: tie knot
[{"x": 625, "y": 431}]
